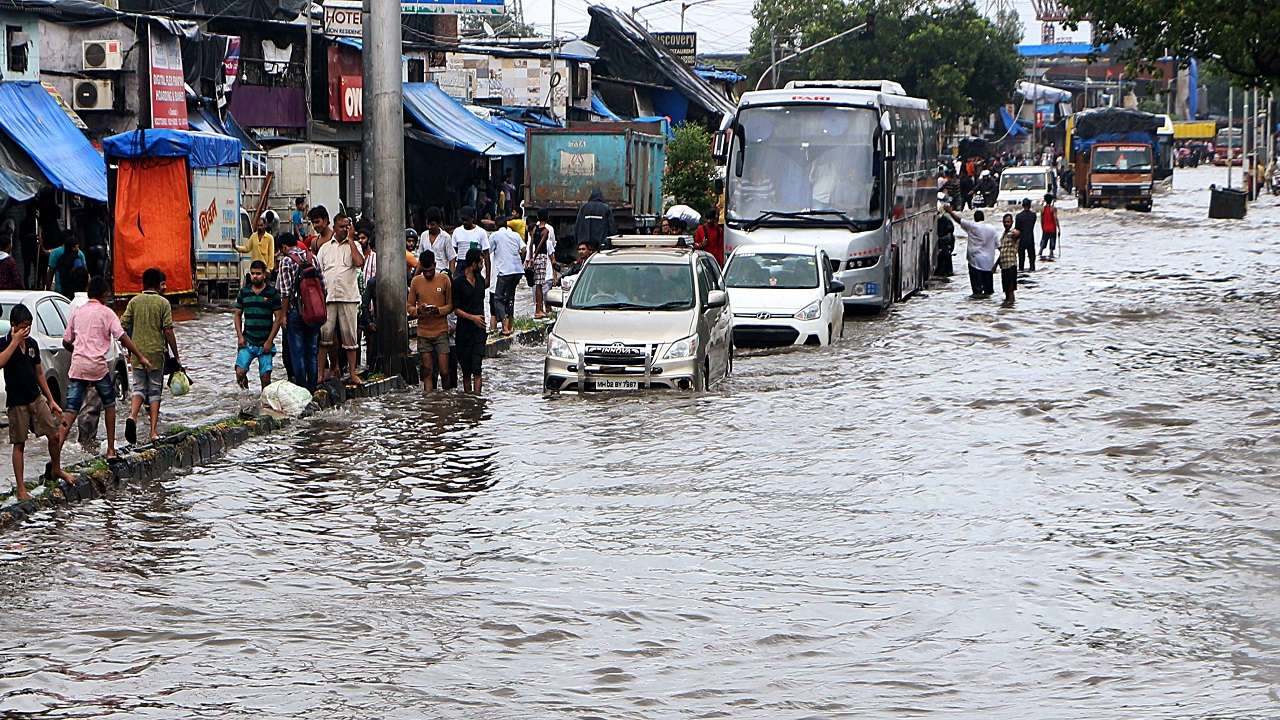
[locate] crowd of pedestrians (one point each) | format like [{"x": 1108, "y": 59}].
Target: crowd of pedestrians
[{"x": 1011, "y": 249}]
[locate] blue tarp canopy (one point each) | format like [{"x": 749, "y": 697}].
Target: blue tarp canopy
[
  {"x": 202, "y": 150},
  {"x": 1011, "y": 125},
  {"x": 34, "y": 120},
  {"x": 1060, "y": 50},
  {"x": 707, "y": 72},
  {"x": 599, "y": 108},
  {"x": 448, "y": 121},
  {"x": 204, "y": 120}
]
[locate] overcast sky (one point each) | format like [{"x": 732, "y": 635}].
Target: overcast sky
[{"x": 722, "y": 25}]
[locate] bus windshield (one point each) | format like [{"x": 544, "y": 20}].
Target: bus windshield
[
  {"x": 797, "y": 159},
  {"x": 1136, "y": 159}
]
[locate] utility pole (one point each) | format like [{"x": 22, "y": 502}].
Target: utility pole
[
  {"x": 1231, "y": 107},
  {"x": 868, "y": 27},
  {"x": 383, "y": 146},
  {"x": 306, "y": 71},
  {"x": 773, "y": 60}
]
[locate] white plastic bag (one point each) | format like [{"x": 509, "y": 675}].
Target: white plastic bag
[
  {"x": 179, "y": 383},
  {"x": 284, "y": 398},
  {"x": 690, "y": 216}
]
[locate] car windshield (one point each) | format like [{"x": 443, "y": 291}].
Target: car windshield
[
  {"x": 633, "y": 286},
  {"x": 1022, "y": 181},
  {"x": 1135, "y": 159},
  {"x": 802, "y": 159},
  {"x": 785, "y": 271}
]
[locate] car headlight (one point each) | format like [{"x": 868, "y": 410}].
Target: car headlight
[
  {"x": 810, "y": 311},
  {"x": 558, "y": 347},
  {"x": 682, "y": 348}
]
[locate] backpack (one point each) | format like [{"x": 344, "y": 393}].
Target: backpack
[{"x": 310, "y": 290}]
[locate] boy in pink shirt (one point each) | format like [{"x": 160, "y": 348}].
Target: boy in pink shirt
[{"x": 89, "y": 334}]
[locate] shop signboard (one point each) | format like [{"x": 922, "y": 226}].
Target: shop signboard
[
  {"x": 452, "y": 7},
  {"x": 343, "y": 18},
  {"x": 168, "y": 85},
  {"x": 215, "y": 210},
  {"x": 684, "y": 45}
]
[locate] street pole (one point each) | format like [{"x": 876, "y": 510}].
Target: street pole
[
  {"x": 774, "y": 67},
  {"x": 1231, "y": 107},
  {"x": 773, "y": 61},
  {"x": 306, "y": 71},
  {"x": 383, "y": 145}
]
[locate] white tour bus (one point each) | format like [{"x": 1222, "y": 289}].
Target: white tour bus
[{"x": 850, "y": 166}]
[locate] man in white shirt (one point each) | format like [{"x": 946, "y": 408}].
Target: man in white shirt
[
  {"x": 340, "y": 260},
  {"x": 509, "y": 267},
  {"x": 439, "y": 242},
  {"x": 981, "y": 251},
  {"x": 468, "y": 236}
]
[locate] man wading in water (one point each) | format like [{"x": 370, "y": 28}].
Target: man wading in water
[
  {"x": 1008, "y": 261},
  {"x": 981, "y": 252}
]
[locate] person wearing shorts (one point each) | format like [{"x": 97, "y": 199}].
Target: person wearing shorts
[
  {"x": 340, "y": 261},
  {"x": 29, "y": 403},
  {"x": 90, "y": 331},
  {"x": 258, "y": 318},
  {"x": 430, "y": 302},
  {"x": 472, "y": 333},
  {"x": 149, "y": 319}
]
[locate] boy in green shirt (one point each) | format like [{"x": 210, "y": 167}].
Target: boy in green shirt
[
  {"x": 149, "y": 320},
  {"x": 259, "y": 315}
]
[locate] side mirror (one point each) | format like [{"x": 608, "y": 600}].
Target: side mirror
[
  {"x": 555, "y": 297},
  {"x": 717, "y": 299},
  {"x": 836, "y": 287}
]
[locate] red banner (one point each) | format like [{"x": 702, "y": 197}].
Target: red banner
[
  {"x": 168, "y": 86},
  {"x": 346, "y": 84}
]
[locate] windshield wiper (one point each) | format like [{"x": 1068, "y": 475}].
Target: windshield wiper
[
  {"x": 670, "y": 304},
  {"x": 615, "y": 306},
  {"x": 854, "y": 225}
]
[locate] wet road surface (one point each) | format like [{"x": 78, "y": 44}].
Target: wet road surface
[{"x": 1064, "y": 510}]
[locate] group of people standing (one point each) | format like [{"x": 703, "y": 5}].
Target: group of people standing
[{"x": 1012, "y": 250}]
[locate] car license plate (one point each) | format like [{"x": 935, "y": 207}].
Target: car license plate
[
  {"x": 873, "y": 288},
  {"x": 609, "y": 384}
]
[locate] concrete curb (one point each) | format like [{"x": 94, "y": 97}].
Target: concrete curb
[
  {"x": 177, "y": 451},
  {"x": 497, "y": 346}
]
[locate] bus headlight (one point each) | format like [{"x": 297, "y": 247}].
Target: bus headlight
[
  {"x": 559, "y": 348},
  {"x": 810, "y": 311}
]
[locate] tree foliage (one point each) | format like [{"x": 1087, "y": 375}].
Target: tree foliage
[
  {"x": 949, "y": 53},
  {"x": 1236, "y": 34},
  {"x": 691, "y": 173}
]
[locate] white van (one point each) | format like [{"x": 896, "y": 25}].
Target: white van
[{"x": 1019, "y": 183}]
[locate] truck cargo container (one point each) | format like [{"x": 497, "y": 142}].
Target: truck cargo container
[{"x": 624, "y": 161}]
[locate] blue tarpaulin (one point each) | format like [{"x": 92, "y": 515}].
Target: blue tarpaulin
[
  {"x": 205, "y": 120},
  {"x": 1010, "y": 124},
  {"x": 34, "y": 120},
  {"x": 202, "y": 150},
  {"x": 448, "y": 121},
  {"x": 1060, "y": 50},
  {"x": 598, "y": 107}
]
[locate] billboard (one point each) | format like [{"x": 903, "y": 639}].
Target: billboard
[
  {"x": 453, "y": 7},
  {"x": 343, "y": 18},
  {"x": 684, "y": 45},
  {"x": 168, "y": 86}
]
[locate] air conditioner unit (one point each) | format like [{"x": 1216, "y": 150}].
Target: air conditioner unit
[
  {"x": 101, "y": 55},
  {"x": 94, "y": 95}
]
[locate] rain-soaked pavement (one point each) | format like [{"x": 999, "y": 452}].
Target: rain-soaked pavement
[{"x": 1066, "y": 510}]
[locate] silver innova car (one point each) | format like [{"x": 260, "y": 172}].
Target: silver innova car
[{"x": 649, "y": 313}]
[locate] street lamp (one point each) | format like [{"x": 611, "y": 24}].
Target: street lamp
[
  {"x": 686, "y": 6},
  {"x": 869, "y": 25}
]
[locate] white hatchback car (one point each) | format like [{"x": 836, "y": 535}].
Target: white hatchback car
[{"x": 783, "y": 294}]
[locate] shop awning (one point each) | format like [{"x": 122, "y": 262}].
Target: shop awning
[
  {"x": 204, "y": 120},
  {"x": 202, "y": 150},
  {"x": 33, "y": 119},
  {"x": 448, "y": 120}
]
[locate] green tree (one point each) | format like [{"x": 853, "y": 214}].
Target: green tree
[
  {"x": 1235, "y": 34},
  {"x": 950, "y": 54},
  {"x": 691, "y": 172}
]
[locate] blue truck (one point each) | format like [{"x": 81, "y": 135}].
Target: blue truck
[{"x": 623, "y": 160}]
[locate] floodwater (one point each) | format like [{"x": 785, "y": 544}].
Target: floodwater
[{"x": 1065, "y": 510}]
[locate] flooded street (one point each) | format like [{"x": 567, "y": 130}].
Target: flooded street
[{"x": 1064, "y": 510}]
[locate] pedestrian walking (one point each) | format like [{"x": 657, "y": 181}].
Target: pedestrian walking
[
  {"x": 946, "y": 244},
  {"x": 148, "y": 318},
  {"x": 89, "y": 334},
  {"x": 29, "y": 403},
  {"x": 595, "y": 221},
  {"x": 68, "y": 270},
  {"x": 541, "y": 247},
  {"x": 988, "y": 188},
  {"x": 340, "y": 262},
  {"x": 470, "y": 236},
  {"x": 966, "y": 190},
  {"x": 300, "y": 282},
  {"x": 10, "y": 273},
  {"x": 439, "y": 242},
  {"x": 509, "y": 266},
  {"x": 430, "y": 302},
  {"x": 1008, "y": 260},
  {"x": 297, "y": 219},
  {"x": 1025, "y": 222},
  {"x": 366, "y": 319},
  {"x": 1048, "y": 228},
  {"x": 258, "y": 317},
  {"x": 411, "y": 252},
  {"x": 261, "y": 245},
  {"x": 981, "y": 252},
  {"x": 472, "y": 334},
  {"x": 709, "y": 236},
  {"x": 321, "y": 230}
]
